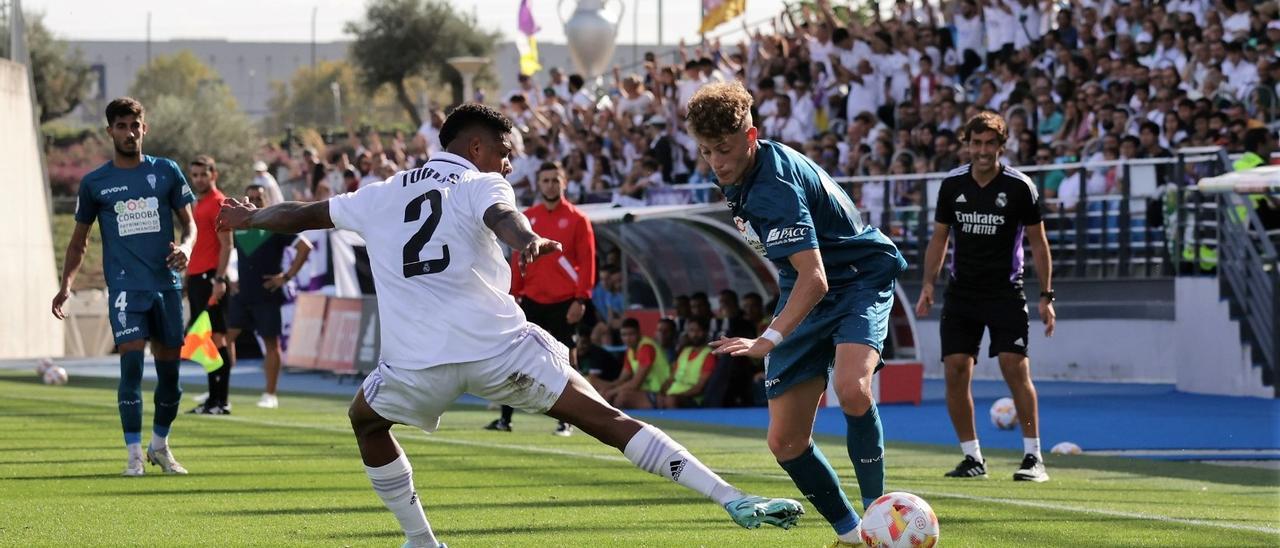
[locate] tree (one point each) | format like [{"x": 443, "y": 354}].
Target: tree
[
  {"x": 60, "y": 74},
  {"x": 189, "y": 112},
  {"x": 399, "y": 39},
  {"x": 181, "y": 74},
  {"x": 306, "y": 100}
]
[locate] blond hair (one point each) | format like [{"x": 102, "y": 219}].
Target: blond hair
[{"x": 719, "y": 109}]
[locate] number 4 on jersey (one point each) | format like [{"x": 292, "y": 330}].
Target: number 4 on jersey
[{"x": 413, "y": 263}]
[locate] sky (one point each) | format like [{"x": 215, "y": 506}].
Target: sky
[{"x": 290, "y": 20}]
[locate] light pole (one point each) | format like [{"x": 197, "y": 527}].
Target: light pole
[
  {"x": 336, "y": 88},
  {"x": 314, "y": 9}
]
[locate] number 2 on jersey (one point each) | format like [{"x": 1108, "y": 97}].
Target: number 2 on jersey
[{"x": 413, "y": 263}]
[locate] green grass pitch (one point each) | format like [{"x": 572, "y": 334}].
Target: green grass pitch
[{"x": 292, "y": 476}]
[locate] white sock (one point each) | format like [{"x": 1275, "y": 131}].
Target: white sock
[
  {"x": 135, "y": 451},
  {"x": 1031, "y": 446},
  {"x": 159, "y": 443},
  {"x": 393, "y": 483},
  {"x": 853, "y": 537},
  {"x": 971, "y": 448},
  {"x": 653, "y": 451}
]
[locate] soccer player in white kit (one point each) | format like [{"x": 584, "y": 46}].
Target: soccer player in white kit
[{"x": 449, "y": 324}]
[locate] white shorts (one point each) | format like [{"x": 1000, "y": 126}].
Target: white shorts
[{"x": 530, "y": 375}]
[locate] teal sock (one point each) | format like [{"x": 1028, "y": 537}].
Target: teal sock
[
  {"x": 167, "y": 396},
  {"x": 129, "y": 396},
  {"x": 865, "y": 437},
  {"x": 816, "y": 479}
]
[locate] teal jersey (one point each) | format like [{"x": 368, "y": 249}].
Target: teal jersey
[
  {"x": 787, "y": 204},
  {"x": 134, "y": 210}
]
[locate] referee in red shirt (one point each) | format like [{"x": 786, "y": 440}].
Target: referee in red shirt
[
  {"x": 207, "y": 277},
  {"x": 554, "y": 291}
]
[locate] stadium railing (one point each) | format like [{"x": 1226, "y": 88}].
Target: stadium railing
[{"x": 1249, "y": 276}]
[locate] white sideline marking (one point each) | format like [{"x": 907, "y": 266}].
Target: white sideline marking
[{"x": 620, "y": 458}]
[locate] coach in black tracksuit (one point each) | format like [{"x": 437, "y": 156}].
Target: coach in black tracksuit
[{"x": 992, "y": 209}]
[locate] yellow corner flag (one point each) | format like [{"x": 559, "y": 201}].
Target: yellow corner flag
[
  {"x": 198, "y": 346},
  {"x": 719, "y": 12}
]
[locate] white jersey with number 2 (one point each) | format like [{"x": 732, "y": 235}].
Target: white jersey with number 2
[{"x": 442, "y": 281}]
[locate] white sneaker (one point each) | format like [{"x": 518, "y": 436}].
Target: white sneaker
[
  {"x": 134, "y": 468},
  {"x": 201, "y": 398},
  {"x": 268, "y": 401},
  {"x": 164, "y": 459}
]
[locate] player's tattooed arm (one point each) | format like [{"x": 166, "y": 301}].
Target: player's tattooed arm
[
  {"x": 513, "y": 228},
  {"x": 287, "y": 217}
]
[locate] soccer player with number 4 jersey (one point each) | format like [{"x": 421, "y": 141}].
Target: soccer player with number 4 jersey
[
  {"x": 134, "y": 198},
  {"x": 449, "y": 325},
  {"x": 837, "y": 278}
]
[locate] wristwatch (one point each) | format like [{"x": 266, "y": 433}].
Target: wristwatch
[{"x": 1047, "y": 295}]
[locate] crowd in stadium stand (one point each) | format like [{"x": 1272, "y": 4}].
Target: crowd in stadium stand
[
  {"x": 1081, "y": 81},
  {"x": 1077, "y": 81}
]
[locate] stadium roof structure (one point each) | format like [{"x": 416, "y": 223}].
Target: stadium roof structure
[{"x": 1262, "y": 179}]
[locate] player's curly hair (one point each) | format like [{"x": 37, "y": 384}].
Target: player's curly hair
[
  {"x": 472, "y": 115},
  {"x": 985, "y": 121},
  {"x": 719, "y": 109}
]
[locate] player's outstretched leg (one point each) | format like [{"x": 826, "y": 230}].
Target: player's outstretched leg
[
  {"x": 129, "y": 400},
  {"x": 855, "y": 366},
  {"x": 390, "y": 473},
  {"x": 653, "y": 451},
  {"x": 791, "y": 415},
  {"x": 167, "y": 397}
]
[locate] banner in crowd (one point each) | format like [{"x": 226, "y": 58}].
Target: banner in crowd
[{"x": 719, "y": 12}]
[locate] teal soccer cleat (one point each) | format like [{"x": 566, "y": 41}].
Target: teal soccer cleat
[{"x": 752, "y": 511}]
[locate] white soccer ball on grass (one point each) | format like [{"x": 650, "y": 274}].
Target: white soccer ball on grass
[
  {"x": 900, "y": 520},
  {"x": 1003, "y": 414},
  {"x": 1066, "y": 448},
  {"x": 55, "y": 375}
]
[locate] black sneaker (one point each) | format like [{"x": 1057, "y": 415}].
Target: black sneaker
[
  {"x": 1032, "y": 469},
  {"x": 969, "y": 468},
  {"x": 564, "y": 430},
  {"x": 201, "y": 409},
  {"x": 499, "y": 425},
  {"x": 220, "y": 410}
]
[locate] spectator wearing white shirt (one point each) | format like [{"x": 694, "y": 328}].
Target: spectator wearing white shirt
[
  {"x": 581, "y": 101},
  {"x": 783, "y": 126},
  {"x": 803, "y": 108},
  {"x": 427, "y": 139},
  {"x": 1241, "y": 74},
  {"x": 268, "y": 183},
  {"x": 969, "y": 32},
  {"x": 1000, "y": 26},
  {"x": 1236, "y": 26},
  {"x": 558, "y": 82},
  {"x": 528, "y": 89},
  {"x": 865, "y": 94},
  {"x": 1028, "y": 24}
]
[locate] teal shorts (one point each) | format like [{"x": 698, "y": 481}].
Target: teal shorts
[
  {"x": 856, "y": 313},
  {"x": 155, "y": 315}
]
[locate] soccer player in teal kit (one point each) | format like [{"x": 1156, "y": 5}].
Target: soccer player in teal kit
[
  {"x": 837, "y": 278},
  {"x": 134, "y": 198}
]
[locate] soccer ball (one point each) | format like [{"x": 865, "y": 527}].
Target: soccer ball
[
  {"x": 899, "y": 520},
  {"x": 55, "y": 375},
  {"x": 1066, "y": 448},
  {"x": 43, "y": 365},
  {"x": 1003, "y": 414}
]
